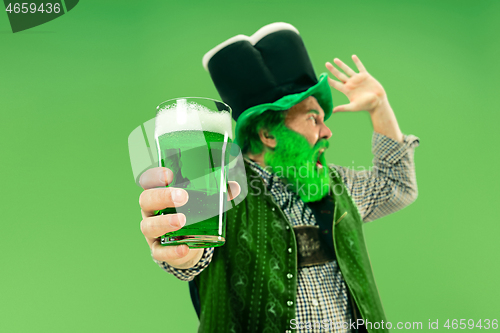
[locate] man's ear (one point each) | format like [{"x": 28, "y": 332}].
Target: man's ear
[{"x": 267, "y": 138}]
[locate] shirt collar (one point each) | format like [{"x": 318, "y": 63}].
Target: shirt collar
[
  {"x": 269, "y": 178},
  {"x": 274, "y": 185}
]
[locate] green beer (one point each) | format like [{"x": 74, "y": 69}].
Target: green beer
[{"x": 198, "y": 160}]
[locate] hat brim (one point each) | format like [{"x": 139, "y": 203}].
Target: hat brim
[{"x": 321, "y": 91}]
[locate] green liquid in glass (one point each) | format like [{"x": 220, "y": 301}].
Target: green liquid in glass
[{"x": 196, "y": 164}]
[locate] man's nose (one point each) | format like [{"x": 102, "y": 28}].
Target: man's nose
[{"x": 325, "y": 132}]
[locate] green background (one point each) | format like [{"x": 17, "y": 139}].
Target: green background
[{"x": 72, "y": 90}]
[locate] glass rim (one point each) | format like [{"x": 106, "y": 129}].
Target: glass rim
[{"x": 203, "y": 98}]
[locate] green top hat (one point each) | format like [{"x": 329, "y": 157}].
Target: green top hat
[{"x": 269, "y": 70}]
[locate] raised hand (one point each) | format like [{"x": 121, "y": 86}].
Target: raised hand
[{"x": 364, "y": 92}]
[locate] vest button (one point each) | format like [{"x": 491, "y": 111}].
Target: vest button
[
  {"x": 272, "y": 209},
  {"x": 290, "y": 250},
  {"x": 289, "y": 276},
  {"x": 287, "y": 227},
  {"x": 289, "y": 303}
]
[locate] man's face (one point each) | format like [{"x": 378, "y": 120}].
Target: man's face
[
  {"x": 298, "y": 155},
  {"x": 306, "y": 118}
]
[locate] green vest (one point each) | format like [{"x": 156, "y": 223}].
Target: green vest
[{"x": 251, "y": 283}]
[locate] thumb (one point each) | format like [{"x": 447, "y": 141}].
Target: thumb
[
  {"x": 345, "y": 108},
  {"x": 234, "y": 190}
]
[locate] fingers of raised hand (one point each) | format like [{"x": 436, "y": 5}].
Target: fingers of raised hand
[
  {"x": 156, "y": 177},
  {"x": 358, "y": 63},
  {"x": 160, "y": 198},
  {"x": 234, "y": 190},
  {"x": 155, "y": 226},
  {"x": 344, "y": 67},
  {"x": 338, "y": 74},
  {"x": 336, "y": 84}
]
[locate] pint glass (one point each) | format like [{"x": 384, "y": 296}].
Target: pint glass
[{"x": 193, "y": 136}]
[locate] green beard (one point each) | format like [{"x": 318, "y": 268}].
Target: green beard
[{"x": 295, "y": 161}]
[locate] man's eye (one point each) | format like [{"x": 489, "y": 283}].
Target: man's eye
[{"x": 313, "y": 118}]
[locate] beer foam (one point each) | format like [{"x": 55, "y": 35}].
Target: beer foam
[{"x": 185, "y": 116}]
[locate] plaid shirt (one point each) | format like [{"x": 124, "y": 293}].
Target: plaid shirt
[{"x": 388, "y": 187}]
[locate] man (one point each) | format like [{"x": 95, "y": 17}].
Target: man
[{"x": 294, "y": 257}]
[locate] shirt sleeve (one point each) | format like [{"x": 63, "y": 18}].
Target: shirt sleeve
[
  {"x": 189, "y": 273},
  {"x": 391, "y": 184}
]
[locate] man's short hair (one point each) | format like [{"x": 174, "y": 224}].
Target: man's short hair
[{"x": 268, "y": 120}]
